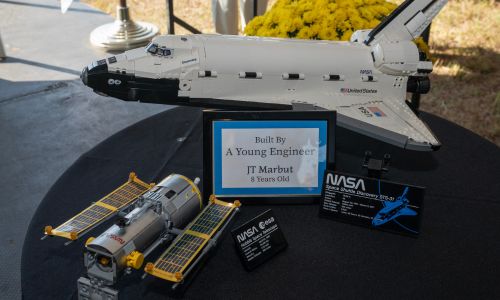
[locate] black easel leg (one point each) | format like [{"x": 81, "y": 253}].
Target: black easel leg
[
  {"x": 415, "y": 98},
  {"x": 170, "y": 11}
]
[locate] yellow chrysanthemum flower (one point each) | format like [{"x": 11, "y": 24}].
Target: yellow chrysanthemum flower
[{"x": 321, "y": 19}]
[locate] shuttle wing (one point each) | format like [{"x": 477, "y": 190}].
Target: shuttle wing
[
  {"x": 391, "y": 121},
  {"x": 408, "y": 212}
]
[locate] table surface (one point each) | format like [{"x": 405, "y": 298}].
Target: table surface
[{"x": 456, "y": 254}]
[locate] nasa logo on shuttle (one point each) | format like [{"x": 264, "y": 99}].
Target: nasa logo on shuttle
[
  {"x": 112, "y": 81},
  {"x": 365, "y": 72},
  {"x": 345, "y": 181}
]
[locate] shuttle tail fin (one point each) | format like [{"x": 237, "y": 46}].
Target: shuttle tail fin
[{"x": 407, "y": 21}]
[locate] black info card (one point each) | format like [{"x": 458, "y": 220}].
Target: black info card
[
  {"x": 371, "y": 202},
  {"x": 258, "y": 240}
]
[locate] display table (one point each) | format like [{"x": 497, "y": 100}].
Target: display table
[{"x": 456, "y": 256}]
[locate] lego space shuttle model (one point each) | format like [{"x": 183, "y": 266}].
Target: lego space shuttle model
[
  {"x": 364, "y": 80},
  {"x": 149, "y": 216}
]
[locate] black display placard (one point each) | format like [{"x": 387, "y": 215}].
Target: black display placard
[
  {"x": 258, "y": 240},
  {"x": 370, "y": 202}
]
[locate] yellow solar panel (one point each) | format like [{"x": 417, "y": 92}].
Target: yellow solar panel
[
  {"x": 185, "y": 248},
  {"x": 101, "y": 210}
]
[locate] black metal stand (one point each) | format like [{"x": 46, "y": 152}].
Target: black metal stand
[
  {"x": 172, "y": 20},
  {"x": 376, "y": 167},
  {"x": 415, "y": 97},
  {"x": 2, "y": 51}
]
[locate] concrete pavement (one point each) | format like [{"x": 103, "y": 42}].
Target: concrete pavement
[{"x": 48, "y": 118}]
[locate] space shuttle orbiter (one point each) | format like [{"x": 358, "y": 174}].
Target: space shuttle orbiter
[{"x": 364, "y": 80}]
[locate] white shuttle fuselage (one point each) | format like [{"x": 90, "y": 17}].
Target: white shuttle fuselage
[{"x": 365, "y": 80}]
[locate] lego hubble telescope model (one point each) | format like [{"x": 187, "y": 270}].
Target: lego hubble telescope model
[
  {"x": 148, "y": 216},
  {"x": 364, "y": 80}
]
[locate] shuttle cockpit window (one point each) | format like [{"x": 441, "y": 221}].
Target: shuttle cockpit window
[
  {"x": 152, "y": 48},
  {"x": 157, "y": 50},
  {"x": 164, "y": 51}
]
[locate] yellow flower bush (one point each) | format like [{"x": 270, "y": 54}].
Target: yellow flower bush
[
  {"x": 319, "y": 19},
  {"x": 322, "y": 19}
]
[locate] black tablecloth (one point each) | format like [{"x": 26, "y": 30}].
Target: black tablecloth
[{"x": 457, "y": 254}]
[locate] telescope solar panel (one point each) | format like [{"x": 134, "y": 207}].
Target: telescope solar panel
[
  {"x": 101, "y": 210},
  {"x": 173, "y": 263}
]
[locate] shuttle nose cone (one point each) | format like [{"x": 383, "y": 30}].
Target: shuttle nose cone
[{"x": 84, "y": 75}]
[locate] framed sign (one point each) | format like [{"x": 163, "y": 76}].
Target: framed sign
[{"x": 267, "y": 156}]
